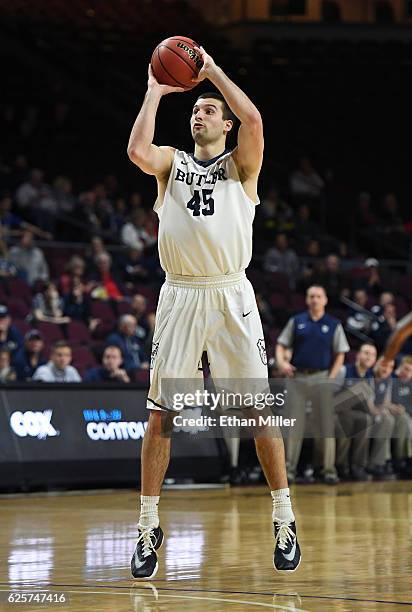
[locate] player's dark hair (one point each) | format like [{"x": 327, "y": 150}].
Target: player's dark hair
[{"x": 216, "y": 95}]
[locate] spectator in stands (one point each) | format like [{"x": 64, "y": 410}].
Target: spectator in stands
[
  {"x": 127, "y": 340},
  {"x": 86, "y": 215},
  {"x": 118, "y": 217},
  {"x": 371, "y": 279},
  {"x": 49, "y": 306},
  {"x": 105, "y": 280},
  {"x": 134, "y": 234},
  {"x": 281, "y": 258},
  {"x": 31, "y": 356},
  {"x": 305, "y": 229},
  {"x": 382, "y": 328},
  {"x": 62, "y": 192},
  {"x": 277, "y": 215},
  {"x": 305, "y": 182},
  {"x": 358, "y": 320},
  {"x": 353, "y": 416},
  {"x": 331, "y": 277},
  {"x": 318, "y": 346},
  {"x": 58, "y": 369},
  {"x": 13, "y": 225},
  {"x": 35, "y": 197},
  {"x": 111, "y": 367},
  {"x": 395, "y": 239},
  {"x": 10, "y": 337},
  {"x": 383, "y": 421},
  {"x": 73, "y": 274},
  {"x": 7, "y": 372},
  {"x": 96, "y": 248},
  {"x": 133, "y": 267},
  {"x": 402, "y": 410},
  {"x": 7, "y": 269},
  {"x": 29, "y": 259},
  {"x": 77, "y": 304}
]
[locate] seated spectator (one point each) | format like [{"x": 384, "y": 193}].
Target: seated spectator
[
  {"x": 359, "y": 321},
  {"x": 7, "y": 372},
  {"x": 281, "y": 258},
  {"x": 133, "y": 268},
  {"x": 276, "y": 215},
  {"x": 105, "y": 280},
  {"x": 134, "y": 234},
  {"x": 62, "y": 192},
  {"x": 10, "y": 337},
  {"x": 145, "y": 321},
  {"x": 29, "y": 357},
  {"x": 331, "y": 277},
  {"x": 384, "y": 326},
  {"x": 111, "y": 367},
  {"x": 74, "y": 272},
  {"x": 49, "y": 306},
  {"x": 58, "y": 369},
  {"x": 13, "y": 225},
  {"x": 383, "y": 421},
  {"x": 372, "y": 279},
  {"x": 36, "y": 197},
  {"x": 353, "y": 416},
  {"x": 76, "y": 304},
  {"x": 305, "y": 229},
  {"x": 96, "y": 248},
  {"x": 305, "y": 182},
  {"x": 127, "y": 340},
  {"x": 29, "y": 259},
  {"x": 7, "y": 269},
  {"x": 401, "y": 410}
]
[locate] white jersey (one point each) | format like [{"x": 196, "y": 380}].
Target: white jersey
[{"x": 205, "y": 218}]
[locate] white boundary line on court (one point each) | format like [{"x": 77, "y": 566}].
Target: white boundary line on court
[{"x": 166, "y": 595}]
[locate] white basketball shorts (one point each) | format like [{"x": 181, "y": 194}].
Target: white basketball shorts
[{"x": 215, "y": 314}]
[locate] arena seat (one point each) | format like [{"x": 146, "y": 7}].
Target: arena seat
[
  {"x": 18, "y": 307},
  {"x": 51, "y": 331},
  {"x": 18, "y": 288},
  {"x": 77, "y": 333}
]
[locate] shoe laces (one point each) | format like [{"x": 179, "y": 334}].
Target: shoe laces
[
  {"x": 147, "y": 538},
  {"x": 285, "y": 535}
]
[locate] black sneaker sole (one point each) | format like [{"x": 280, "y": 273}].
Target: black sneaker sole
[{"x": 287, "y": 571}]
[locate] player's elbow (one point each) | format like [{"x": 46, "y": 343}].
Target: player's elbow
[{"x": 135, "y": 155}]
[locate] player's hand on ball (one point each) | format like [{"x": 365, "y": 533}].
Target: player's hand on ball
[
  {"x": 208, "y": 65},
  {"x": 163, "y": 89}
]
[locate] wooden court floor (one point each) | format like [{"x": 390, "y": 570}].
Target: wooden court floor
[{"x": 356, "y": 542}]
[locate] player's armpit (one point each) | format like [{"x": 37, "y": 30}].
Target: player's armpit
[
  {"x": 155, "y": 160},
  {"x": 248, "y": 154}
]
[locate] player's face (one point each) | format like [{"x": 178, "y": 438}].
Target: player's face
[
  {"x": 367, "y": 356},
  {"x": 206, "y": 123}
]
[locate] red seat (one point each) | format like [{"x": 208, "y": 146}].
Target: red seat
[
  {"x": 297, "y": 302},
  {"x": 124, "y": 308},
  {"x": 18, "y": 307},
  {"x": 51, "y": 331},
  {"x": 404, "y": 287},
  {"x": 77, "y": 332},
  {"x": 18, "y": 288},
  {"x": 102, "y": 310},
  {"x": 278, "y": 301},
  {"x": 22, "y": 326},
  {"x": 279, "y": 281},
  {"x": 83, "y": 359}
]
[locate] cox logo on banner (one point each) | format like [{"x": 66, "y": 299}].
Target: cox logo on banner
[{"x": 34, "y": 424}]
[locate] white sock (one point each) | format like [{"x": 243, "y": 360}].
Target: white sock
[
  {"x": 282, "y": 507},
  {"x": 149, "y": 515}
]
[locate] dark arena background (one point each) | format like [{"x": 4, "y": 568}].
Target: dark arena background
[{"x": 79, "y": 267}]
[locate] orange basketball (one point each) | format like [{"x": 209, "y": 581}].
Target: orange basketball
[{"x": 175, "y": 62}]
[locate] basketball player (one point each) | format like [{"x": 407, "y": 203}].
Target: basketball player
[
  {"x": 402, "y": 332},
  {"x": 206, "y": 205}
]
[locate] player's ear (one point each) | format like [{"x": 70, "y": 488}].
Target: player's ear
[{"x": 228, "y": 125}]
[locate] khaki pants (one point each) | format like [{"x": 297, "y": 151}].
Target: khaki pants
[
  {"x": 352, "y": 431},
  {"x": 318, "y": 389},
  {"x": 381, "y": 433},
  {"x": 402, "y": 434}
]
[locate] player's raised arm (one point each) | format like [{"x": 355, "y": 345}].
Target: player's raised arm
[
  {"x": 249, "y": 153},
  {"x": 141, "y": 150}
]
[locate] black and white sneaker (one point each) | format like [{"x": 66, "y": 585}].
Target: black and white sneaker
[
  {"x": 287, "y": 551},
  {"x": 144, "y": 563}
]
